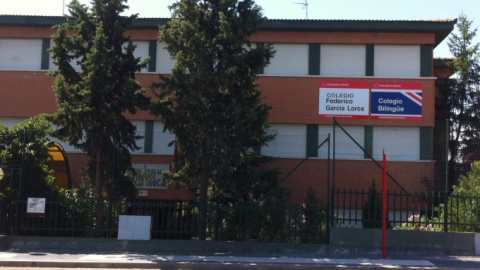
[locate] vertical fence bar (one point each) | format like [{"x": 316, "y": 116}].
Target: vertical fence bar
[
  {"x": 333, "y": 171},
  {"x": 18, "y": 210},
  {"x": 445, "y": 201},
  {"x": 363, "y": 199},
  {"x": 3, "y": 215},
  {"x": 328, "y": 191},
  {"x": 476, "y": 212},
  {"x": 343, "y": 203},
  {"x": 349, "y": 204},
  {"x": 425, "y": 210},
  {"x": 356, "y": 206},
  {"x": 384, "y": 195}
]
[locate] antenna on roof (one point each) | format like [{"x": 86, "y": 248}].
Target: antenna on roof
[{"x": 305, "y": 6}]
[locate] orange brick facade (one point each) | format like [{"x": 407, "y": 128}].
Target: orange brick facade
[
  {"x": 294, "y": 100},
  {"x": 343, "y": 38},
  {"x": 289, "y": 106}
]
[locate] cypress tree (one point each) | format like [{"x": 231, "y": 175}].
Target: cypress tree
[
  {"x": 211, "y": 101},
  {"x": 92, "y": 101}
]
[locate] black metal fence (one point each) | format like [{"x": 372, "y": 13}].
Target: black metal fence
[
  {"x": 170, "y": 220},
  {"x": 429, "y": 211}
]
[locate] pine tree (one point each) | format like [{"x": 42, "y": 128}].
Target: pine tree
[
  {"x": 464, "y": 97},
  {"x": 93, "y": 100},
  {"x": 211, "y": 101}
]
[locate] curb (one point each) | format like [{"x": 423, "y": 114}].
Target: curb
[{"x": 204, "y": 266}]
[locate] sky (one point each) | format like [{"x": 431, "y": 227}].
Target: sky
[{"x": 293, "y": 9}]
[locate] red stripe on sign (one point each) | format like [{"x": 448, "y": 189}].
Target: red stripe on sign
[
  {"x": 345, "y": 84},
  {"x": 397, "y": 85},
  {"x": 415, "y": 97},
  {"x": 343, "y": 116},
  {"x": 384, "y": 117}
]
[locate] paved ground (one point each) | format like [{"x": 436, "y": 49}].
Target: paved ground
[{"x": 49, "y": 258}]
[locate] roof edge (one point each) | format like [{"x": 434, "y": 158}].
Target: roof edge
[{"x": 441, "y": 28}]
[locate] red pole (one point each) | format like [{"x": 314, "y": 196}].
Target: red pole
[{"x": 384, "y": 188}]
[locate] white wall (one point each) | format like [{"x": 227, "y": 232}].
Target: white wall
[
  {"x": 290, "y": 141},
  {"x": 345, "y": 148},
  {"x": 164, "y": 61},
  {"x": 142, "y": 51},
  {"x": 10, "y": 122},
  {"x": 20, "y": 54},
  {"x": 342, "y": 60},
  {"x": 140, "y": 132},
  {"x": 399, "y": 143},
  {"x": 290, "y": 59},
  {"x": 323, "y": 132},
  {"x": 396, "y": 61},
  {"x": 161, "y": 140}
]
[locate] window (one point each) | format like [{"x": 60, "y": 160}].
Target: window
[
  {"x": 290, "y": 141},
  {"x": 396, "y": 61},
  {"x": 342, "y": 60},
  {"x": 142, "y": 51},
  {"x": 289, "y": 59},
  {"x": 140, "y": 132},
  {"x": 20, "y": 54},
  {"x": 164, "y": 61},
  {"x": 161, "y": 140},
  {"x": 399, "y": 143},
  {"x": 345, "y": 148}
]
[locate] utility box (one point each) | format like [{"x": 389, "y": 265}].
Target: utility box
[{"x": 134, "y": 227}]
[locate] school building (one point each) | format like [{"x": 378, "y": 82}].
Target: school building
[{"x": 377, "y": 78}]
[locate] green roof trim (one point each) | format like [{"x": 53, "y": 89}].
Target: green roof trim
[
  {"x": 35, "y": 21},
  {"x": 49, "y": 21},
  {"x": 442, "y": 62},
  {"x": 441, "y": 28}
]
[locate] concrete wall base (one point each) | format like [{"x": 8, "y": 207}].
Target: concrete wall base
[
  {"x": 351, "y": 240},
  {"x": 342, "y": 240},
  {"x": 154, "y": 246}
]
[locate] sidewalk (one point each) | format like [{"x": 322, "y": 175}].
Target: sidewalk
[{"x": 73, "y": 259}]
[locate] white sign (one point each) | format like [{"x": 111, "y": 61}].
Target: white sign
[
  {"x": 134, "y": 227},
  {"x": 150, "y": 176},
  {"x": 36, "y": 205},
  {"x": 347, "y": 99}
]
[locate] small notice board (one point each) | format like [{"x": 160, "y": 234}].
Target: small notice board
[
  {"x": 134, "y": 227},
  {"x": 36, "y": 207}
]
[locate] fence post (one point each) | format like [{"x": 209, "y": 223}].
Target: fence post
[
  {"x": 332, "y": 203},
  {"x": 22, "y": 163},
  {"x": 445, "y": 201},
  {"x": 328, "y": 191},
  {"x": 110, "y": 189},
  {"x": 385, "y": 213},
  {"x": 17, "y": 221},
  {"x": 3, "y": 215}
]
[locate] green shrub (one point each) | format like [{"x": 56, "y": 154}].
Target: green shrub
[
  {"x": 314, "y": 219},
  {"x": 463, "y": 213},
  {"x": 372, "y": 216}
]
